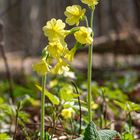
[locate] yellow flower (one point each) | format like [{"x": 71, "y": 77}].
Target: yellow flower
[
  {"x": 90, "y": 2},
  {"x": 74, "y": 13},
  {"x": 67, "y": 113},
  {"x": 56, "y": 49},
  {"x": 70, "y": 54},
  {"x": 41, "y": 67},
  {"x": 83, "y": 36},
  {"x": 60, "y": 67},
  {"x": 94, "y": 105},
  {"x": 54, "y": 30}
]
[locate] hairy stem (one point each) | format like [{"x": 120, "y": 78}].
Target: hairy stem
[
  {"x": 43, "y": 108},
  {"x": 90, "y": 72}
]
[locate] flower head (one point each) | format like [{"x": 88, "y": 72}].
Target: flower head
[
  {"x": 41, "y": 67},
  {"x": 90, "y": 2},
  {"x": 54, "y": 30},
  {"x": 67, "y": 113},
  {"x": 60, "y": 67},
  {"x": 83, "y": 36},
  {"x": 74, "y": 13},
  {"x": 56, "y": 49}
]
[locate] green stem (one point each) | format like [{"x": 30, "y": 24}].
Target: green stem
[
  {"x": 86, "y": 21},
  {"x": 43, "y": 108},
  {"x": 130, "y": 121},
  {"x": 90, "y": 72}
]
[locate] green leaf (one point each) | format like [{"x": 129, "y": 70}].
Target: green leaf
[
  {"x": 23, "y": 116},
  {"x": 47, "y": 136},
  {"x": 107, "y": 134},
  {"x": 8, "y": 109},
  {"x": 20, "y": 91},
  {"x": 4, "y": 136},
  {"x": 66, "y": 93},
  {"x": 67, "y": 96},
  {"x": 68, "y": 104},
  {"x": 127, "y": 136},
  {"x": 128, "y": 106},
  {"x": 82, "y": 108},
  {"x": 91, "y": 132},
  {"x": 54, "y": 99},
  {"x": 121, "y": 105},
  {"x": 116, "y": 94},
  {"x": 80, "y": 138},
  {"x": 1, "y": 101}
]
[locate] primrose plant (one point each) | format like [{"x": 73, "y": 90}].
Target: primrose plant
[{"x": 57, "y": 49}]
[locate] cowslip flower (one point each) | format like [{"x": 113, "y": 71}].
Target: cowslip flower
[
  {"x": 74, "y": 13},
  {"x": 67, "y": 113},
  {"x": 54, "y": 30},
  {"x": 94, "y": 105},
  {"x": 83, "y": 36},
  {"x": 56, "y": 49},
  {"x": 70, "y": 54},
  {"x": 60, "y": 67},
  {"x": 41, "y": 67},
  {"x": 90, "y": 2}
]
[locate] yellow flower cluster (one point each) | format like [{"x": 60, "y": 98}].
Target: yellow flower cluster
[{"x": 56, "y": 33}]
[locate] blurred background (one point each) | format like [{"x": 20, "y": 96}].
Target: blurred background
[
  {"x": 116, "y": 27},
  {"x": 116, "y": 56}
]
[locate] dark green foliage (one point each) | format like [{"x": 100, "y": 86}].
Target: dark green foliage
[
  {"x": 107, "y": 134},
  {"x": 91, "y": 132}
]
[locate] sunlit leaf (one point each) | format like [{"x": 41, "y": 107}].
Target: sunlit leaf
[
  {"x": 66, "y": 93},
  {"x": 54, "y": 99},
  {"x": 4, "y": 136},
  {"x": 128, "y": 106}
]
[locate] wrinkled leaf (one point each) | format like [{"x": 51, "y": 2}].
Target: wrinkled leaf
[
  {"x": 107, "y": 134},
  {"x": 91, "y": 132}
]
